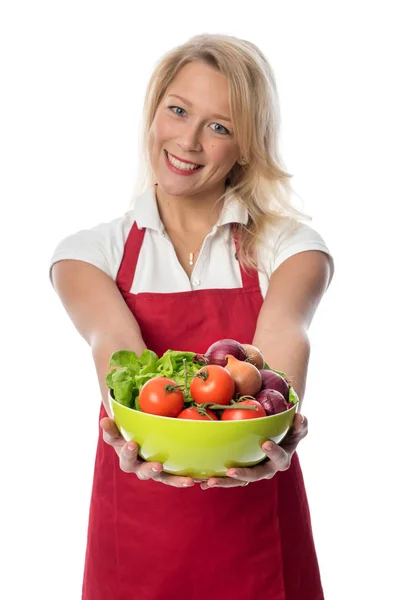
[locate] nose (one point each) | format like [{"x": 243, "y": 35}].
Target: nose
[{"x": 190, "y": 139}]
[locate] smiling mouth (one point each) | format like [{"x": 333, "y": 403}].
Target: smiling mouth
[{"x": 181, "y": 165}]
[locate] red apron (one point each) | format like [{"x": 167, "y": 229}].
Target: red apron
[{"x": 150, "y": 541}]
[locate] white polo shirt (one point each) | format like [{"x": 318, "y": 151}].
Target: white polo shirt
[{"x": 158, "y": 269}]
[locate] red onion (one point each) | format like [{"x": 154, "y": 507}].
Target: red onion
[
  {"x": 274, "y": 381},
  {"x": 217, "y": 353},
  {"x": 272, "y": 401}
]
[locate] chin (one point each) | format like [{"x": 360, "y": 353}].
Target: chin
[{"x": 172, "y": 187}]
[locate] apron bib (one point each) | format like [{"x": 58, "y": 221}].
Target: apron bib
[{"x": 150, "y": 541}]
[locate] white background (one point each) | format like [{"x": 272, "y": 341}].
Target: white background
[{"x": 73, "y": 76}]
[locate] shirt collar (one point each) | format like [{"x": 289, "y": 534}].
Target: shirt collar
[
  {"x": 233, "y": 210},
  {"x": 146, "y": 213}
]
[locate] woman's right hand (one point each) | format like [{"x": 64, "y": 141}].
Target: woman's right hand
[{"x": 130, "y": 462}]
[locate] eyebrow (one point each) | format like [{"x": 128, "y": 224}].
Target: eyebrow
[{"x": 221, "y": 117}]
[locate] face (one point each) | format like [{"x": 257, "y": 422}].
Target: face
[{"x": 194, "y": 127}]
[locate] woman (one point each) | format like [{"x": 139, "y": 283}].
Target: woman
[{"x": 168, "y": 275}]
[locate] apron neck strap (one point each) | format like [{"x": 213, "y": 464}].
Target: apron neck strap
[
  {"x": 249, "y": 278},
  {"x": 130, "y": 257}
]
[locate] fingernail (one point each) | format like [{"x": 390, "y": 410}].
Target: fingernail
[
  {"x": 155, "y": 469},
  {"x": 234, "y": 474},
  {"x": 302, "y": 419},
  {"x": 131, "y": 448},
  {"x": 267, "y": 447}
]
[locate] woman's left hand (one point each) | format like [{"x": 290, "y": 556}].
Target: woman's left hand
[{"x": 279, "y": 458}]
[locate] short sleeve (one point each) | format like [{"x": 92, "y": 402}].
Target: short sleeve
[
  {"x": 302, "y": 238},
  {"x": 291, "y": 239},
  {"x": 101, "y": 246}
]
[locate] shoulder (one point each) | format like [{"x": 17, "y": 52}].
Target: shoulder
[
  {"x": 287, "y": 238},
  {"x": 101, "y": 245},
  {"x": 300, "y": 272}
]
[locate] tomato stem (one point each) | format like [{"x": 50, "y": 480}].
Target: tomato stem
[
  {"x": 227, "y": 406},
  {"x": 202, "y": 411},
  {"x": 186, "y": 376},
  {"x": 172, "y": 388},
  {"x": 203, "y": 375}
]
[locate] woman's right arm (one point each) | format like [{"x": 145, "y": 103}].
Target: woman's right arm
[{"x": 99, "y": 312}]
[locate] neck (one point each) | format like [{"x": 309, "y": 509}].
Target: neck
[{"x": 188, "y": 214}]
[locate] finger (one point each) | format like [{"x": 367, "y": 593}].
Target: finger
[
  {"x": 265, "y": 470},
  {"x": 174, "y": 480},
  {"x": 225, "y": 482},
  {"x": 278, "y": 460},
  {"x": 111, "y": 434},
  {"x": 296, "y": 433},
  {"x": 128, "y": 458},
  {"x": 147, "y": 470},
  {"x": 299, "y": 425}
]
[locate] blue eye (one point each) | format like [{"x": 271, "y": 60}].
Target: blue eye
[
  {"x": 224, "y": 132},
  {"x": 177, "y": 107}
]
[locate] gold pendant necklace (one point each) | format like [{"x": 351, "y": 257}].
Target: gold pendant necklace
[{"x": 191, "y": 254}]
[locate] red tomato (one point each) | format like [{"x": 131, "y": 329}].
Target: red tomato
[
  {"x": 161, "y": 396},
  {"x": 233, "y": 414},
  {"x": 212, "y": 384},
  {"x": 193, "y": 414}
]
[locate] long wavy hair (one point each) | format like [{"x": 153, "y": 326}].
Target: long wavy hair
[{"x": 262, "y": 185}]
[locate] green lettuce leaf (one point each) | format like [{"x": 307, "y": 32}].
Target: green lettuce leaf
[
  {"x": 135, "y": 403},
  {"x": 134, "y": 372},
  {"x": 148, "y": 361},
  {"x": 123, "y": 385},
  {"x": 109, "y": 378},
  {"x": 268, "y": 368},
  {"x": 125, "y": 358},
  {"x": 293, "y": 397},
  {"x": 142, "y": 379}
]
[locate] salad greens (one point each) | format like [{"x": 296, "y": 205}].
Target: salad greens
[{"x": 134, "y": 371}]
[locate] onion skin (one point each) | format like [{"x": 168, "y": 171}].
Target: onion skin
[
  {"x": 272, "y": 401},
  {"x": 274, "y": 381},
  {"x": 217, "y": 353},
  {"x": 246, "y": 376},
  {"x": 254, "y": 355}
]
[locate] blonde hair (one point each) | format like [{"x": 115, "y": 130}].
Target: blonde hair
[{"x": 262, "y": 185}]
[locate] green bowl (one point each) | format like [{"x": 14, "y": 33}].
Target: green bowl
[{"x": 200, "y": 449}]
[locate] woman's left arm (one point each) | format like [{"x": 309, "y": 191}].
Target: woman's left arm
[{"x": 294, "y": 292}]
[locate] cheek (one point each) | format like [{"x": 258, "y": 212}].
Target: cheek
[
  {"x": 160, "y": 130},
  {"x": 223, "y": 153}
]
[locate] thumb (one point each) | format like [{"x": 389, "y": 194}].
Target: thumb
[{"x": 300, "y": 425}]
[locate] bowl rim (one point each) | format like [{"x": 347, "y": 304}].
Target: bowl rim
[{"x": 211, "y": 421}]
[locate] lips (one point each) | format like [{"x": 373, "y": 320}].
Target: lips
[{"x": 188, "y": 162}]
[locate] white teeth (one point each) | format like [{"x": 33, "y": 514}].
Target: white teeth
[{"x": 181, "y": 165}]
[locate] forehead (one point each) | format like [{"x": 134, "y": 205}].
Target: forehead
[{"x": 202, "y": 85}]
